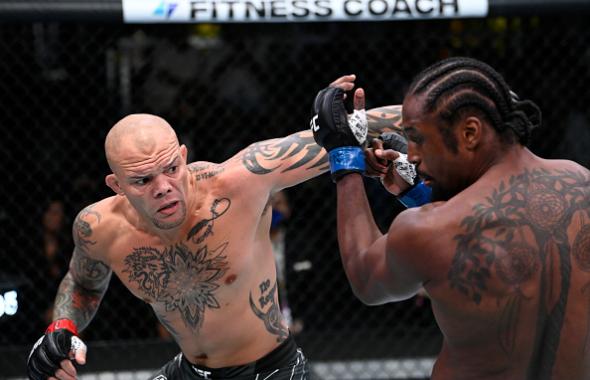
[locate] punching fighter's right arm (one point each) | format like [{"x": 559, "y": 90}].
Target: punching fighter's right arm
[
  {"x": 86, "y": 282},
  {"x": 78, "y": 297}
]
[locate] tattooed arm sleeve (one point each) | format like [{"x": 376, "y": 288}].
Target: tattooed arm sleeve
[
  {"x": 86, "y": 282},
  {"x": 384, "y": 119},
  {"x": 296, "y": 158}
]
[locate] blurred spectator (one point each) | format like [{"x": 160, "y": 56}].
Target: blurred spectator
[{"x": 55, "y": 249}]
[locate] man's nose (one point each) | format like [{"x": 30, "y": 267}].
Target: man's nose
[{"x": 161, "y": 187}]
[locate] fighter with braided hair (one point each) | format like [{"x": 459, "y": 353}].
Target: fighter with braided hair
[{"x": 498, "y": 237}]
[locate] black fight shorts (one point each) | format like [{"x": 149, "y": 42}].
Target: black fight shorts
[{"x": 286, "y": 362}]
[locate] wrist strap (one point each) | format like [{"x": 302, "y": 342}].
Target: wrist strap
[
  {"x": 416, "y": 196},
  {"x": 345, "y": 160},
  {"x": 63, "y": 323}
]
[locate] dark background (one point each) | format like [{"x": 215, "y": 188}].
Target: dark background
[{"x": 63, "y": 85}]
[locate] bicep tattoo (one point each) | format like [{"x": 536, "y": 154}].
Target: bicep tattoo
[
  {"x": 82, "y": 230},
  {"x": 90, "y": 273},
  {"x": 286, "y": 154}
]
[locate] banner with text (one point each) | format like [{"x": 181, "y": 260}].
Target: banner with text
[{"x": 214, "y": 11}]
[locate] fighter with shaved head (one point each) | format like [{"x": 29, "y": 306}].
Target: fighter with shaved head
[{"x": 191, "y": 240}]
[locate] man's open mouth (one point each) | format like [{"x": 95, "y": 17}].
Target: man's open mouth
[{"x": 168, "y": 207}]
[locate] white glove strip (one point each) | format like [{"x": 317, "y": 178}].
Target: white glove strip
[
  {"x": 405, "y": 169},
  {"x": 359, "y": 126},
  {"x": 77, "y": 345}
]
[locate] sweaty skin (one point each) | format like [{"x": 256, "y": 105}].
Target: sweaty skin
[
  {"x": 192, "y": 240},
  {"x": 505, "y": 261}
]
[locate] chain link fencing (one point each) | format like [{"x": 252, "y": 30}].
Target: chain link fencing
[{"x": 63, "y": 85}]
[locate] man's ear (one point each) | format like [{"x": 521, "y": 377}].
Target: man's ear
[
  {"x": 183, "y": 152},
  {"x": 112, "y": 182},
  {"x": 471, "y": 132}
]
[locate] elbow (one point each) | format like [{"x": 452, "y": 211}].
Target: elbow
[{"x": 368, "y": 298}]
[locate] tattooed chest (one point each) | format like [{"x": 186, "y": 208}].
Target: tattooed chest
[{"x": 178, "y": 278}]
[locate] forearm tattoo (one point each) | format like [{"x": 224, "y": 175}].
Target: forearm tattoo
[
  {"x": 77, "y": 303},
  {"x": 521, "y": 234},
  {"x": 272, "y": 318},
  {"x": 82, "y": 289},
  {"x": 274, "y": 155},
  {"x": 384, "y": 119}
]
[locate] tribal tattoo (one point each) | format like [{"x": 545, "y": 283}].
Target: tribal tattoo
[
  {"x": 384, "y": 119},
  {"x": 521, "y": 233},
  {"x": 183, "y": 280},
  {"x": 204, "y": 228},
  {"x": 272, "y": 318},
  {"x": 267, "y": 156}
]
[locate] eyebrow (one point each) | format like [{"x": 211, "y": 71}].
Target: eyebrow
[{"x": 172, "y": 163}]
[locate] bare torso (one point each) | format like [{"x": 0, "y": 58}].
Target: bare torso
[
  {"x": 509, "y": 263},
  {"x": 214, "y": 288}
]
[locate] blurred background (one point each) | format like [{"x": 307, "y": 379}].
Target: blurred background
[{"x": 65, "y": 79}]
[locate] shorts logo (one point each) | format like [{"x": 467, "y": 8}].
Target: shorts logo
[
  {"x": 204, "y": 374},
  {"x": 160, "y": 377}
]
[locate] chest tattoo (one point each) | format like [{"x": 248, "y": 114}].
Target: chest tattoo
[
  {"x": 204, "y": 228},
  {"x": 182, "y": 280}
]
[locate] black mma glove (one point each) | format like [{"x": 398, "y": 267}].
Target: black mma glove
[
  {"x": 341, "y": 134},
  {"x": 60, "y": 342},
  {"x": 395, "y": 141},
  {"x": 418, "y": 194}
]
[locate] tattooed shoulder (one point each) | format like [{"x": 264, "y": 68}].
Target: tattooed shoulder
[
  {"x": 83, "y": 227},
  {"x": 205, "y": 170}
]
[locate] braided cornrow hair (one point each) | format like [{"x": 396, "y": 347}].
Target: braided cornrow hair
[{"x": 456, "y": 84}]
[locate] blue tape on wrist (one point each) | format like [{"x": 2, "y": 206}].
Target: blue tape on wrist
[
  {"x": 347, "y": 158},
  {"x": 417, "y": 196}
]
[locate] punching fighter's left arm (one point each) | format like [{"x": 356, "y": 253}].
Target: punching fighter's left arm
[
  {"x": 296, "y": 158},
  {"x": 287, "y": 161}
]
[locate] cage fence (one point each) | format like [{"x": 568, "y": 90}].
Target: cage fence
[{"x": 222, "y": 87}]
